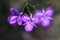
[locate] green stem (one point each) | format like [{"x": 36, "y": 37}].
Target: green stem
[
  {"x": 24, "y": 7},
  {"x": 28, "y": 9},
  {"x": 25, "y": 1},
  {"x": 32, "y": 6},
  {"x": 27, "y": 6}
]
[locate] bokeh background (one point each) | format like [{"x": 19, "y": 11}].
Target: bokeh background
[{"x": 15, "y": 32}]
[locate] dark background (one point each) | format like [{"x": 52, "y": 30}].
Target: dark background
[{"x": 15, "y": 32}]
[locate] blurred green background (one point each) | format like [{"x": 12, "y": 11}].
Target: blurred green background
[{"x": 15, "y": 32}]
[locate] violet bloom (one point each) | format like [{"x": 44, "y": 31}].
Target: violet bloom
[
  {"x": 14, "y": 17},
  {"x": 44, "y": 16},
  {"x": 29, "y": 22}
]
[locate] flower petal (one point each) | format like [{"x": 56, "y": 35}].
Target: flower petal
[
  {"x": 14, "y": 11},
  {"x": 19, "y": 19},
  {"x": 38, "y": 14},
  {"x": 21, "y": 13},
  {"x": 50, "y": 18},
  {"x": 35, "y": 20},
  {"x": 49, "y": 11},
  {"x": 12, "y": 19},
  {"x": 45, "y": 22},
  {"x": 28, "y": 27},
  {"x": 34, "y": 24},
  {"x": 25, "y": 18}
]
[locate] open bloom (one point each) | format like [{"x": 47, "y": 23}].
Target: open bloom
[
  {"x": 15, "y": 17},
  {"x": 44, "y": 16},
  {"x": 29, "y": 22}
]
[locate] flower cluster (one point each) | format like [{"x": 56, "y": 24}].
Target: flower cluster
[{"x": 40, "y": 16}]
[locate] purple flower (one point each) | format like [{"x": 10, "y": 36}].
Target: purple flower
[
  {"x": 15, "y": 17},
  {"x": 28, "y": 27},
  {"x": 44, "y": 16},
  {"x": 29, "y": 22}
]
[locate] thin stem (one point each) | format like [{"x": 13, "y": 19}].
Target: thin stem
[
  {"x": 29, "y": 5},
  {"x": 28, "y": 9},
  {"x": 24, "y": 7},
  {"x": 32, "y": 6},
  {"x": 25, "y": 1}
]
